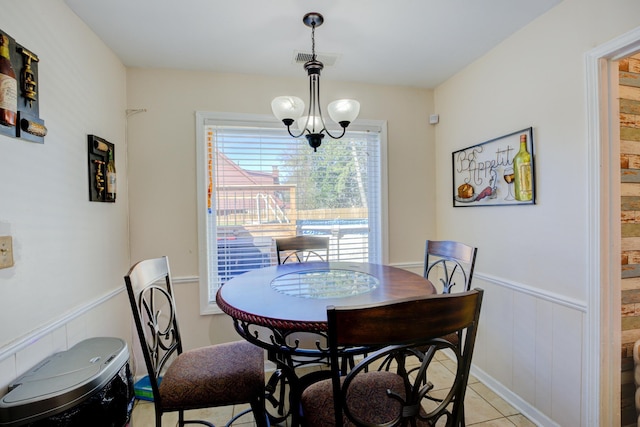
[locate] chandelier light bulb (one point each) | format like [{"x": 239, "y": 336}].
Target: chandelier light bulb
[
  {"x": 344, "y": 111},
  {"x": 311, "y": 124},
  {"x": 287, "y": 107}
]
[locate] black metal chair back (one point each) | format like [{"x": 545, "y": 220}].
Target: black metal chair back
[
  {"x": 448, "y": 260},
  {"x": 370, "y": 397},
  {"x": 302, "y": 249},
  {"x": 151, "y": 296}
]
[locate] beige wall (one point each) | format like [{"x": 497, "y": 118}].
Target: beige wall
[
  {"x": 162, "y": 163},
  {"x": 70, "y": 254},
  {"x": 532, "y": 260}
]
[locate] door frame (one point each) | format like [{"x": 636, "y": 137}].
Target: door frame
[{"x": 602, "y": 369}]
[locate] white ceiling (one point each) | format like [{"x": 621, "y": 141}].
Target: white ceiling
[{"x": 401, "y": 42}]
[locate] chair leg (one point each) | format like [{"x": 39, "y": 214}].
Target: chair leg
[
  {"x": 260, "y": 412},
  {"x": 182, "y": 422}
]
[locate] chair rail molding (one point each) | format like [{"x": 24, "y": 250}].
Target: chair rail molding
[
  {"x": 543, "y": 294},
  {"x": 27, "y": 340}
]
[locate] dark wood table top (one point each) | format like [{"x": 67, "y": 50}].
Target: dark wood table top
[{"x": 295, "y": 296}]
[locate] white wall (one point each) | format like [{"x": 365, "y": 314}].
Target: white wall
[
  {"x": 162, "y": 164},
  {"x": 70, "y": 254},
  {"x": 532, "y": 260}
]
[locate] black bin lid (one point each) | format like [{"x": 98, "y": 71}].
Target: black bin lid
[{"x": 63, "y": 380}]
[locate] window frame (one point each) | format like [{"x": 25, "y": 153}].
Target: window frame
[{"x": 204, "y": 118}]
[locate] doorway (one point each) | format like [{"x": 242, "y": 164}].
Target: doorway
[
  {"x": 603, "y": 364},
  {"x": 629, "y": 113}
]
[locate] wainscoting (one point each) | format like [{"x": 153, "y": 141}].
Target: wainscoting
[
  {"x": 107, "y": 316},
  {"x": 530, "y": 350}
]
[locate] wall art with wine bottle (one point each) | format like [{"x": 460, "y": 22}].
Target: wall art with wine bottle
[
  {"x": 102, "y": 170},
  {"x": 496, "y": 172},
  {"x": 19, "y": 107}
]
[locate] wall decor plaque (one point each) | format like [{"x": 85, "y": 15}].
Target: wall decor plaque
[
  {"x": 19, "y": 93},
  {"x": 496, "y": 172},
  {"x": 102, "y": 170}
]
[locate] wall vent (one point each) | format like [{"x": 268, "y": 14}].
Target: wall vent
[{"x": 328, "y": 59}]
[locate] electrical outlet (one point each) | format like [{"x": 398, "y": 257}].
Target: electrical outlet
[{"x": 6, "y": 252}]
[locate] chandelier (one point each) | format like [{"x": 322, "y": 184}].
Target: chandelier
[{"x": 289, "y": 109}]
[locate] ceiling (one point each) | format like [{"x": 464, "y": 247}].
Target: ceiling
[{"x": 401, "y": 42}]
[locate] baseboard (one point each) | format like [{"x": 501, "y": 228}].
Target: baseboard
[{"x": 532, "y": 413}]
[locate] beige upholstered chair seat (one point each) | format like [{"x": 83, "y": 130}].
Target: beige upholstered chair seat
[
  {"x": 367, "y": 399},
  {"x": 209, "y": 376}
]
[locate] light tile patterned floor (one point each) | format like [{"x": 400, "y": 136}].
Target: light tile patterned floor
[{"x": 482, "y": 407}]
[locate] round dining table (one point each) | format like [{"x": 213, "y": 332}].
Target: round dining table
[
  {"x": 280, "y": 307},
  {"x": 295, "y": 296}
]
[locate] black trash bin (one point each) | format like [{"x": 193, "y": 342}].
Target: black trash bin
[{"x": 88, "y": 385}]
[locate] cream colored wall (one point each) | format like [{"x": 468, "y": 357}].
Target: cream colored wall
[
  {"x": 70, "y": 254},
  {"x": 532, "y": 259},
  {"x": 162, "y": 163}
]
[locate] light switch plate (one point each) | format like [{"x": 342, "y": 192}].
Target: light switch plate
[{"x": 6, "y": 252}]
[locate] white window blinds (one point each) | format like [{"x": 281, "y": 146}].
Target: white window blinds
[{"x": 261, "y": 184}]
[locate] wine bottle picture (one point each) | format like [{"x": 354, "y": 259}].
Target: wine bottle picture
[
  {"x": 8, "y": 86},
  {"x": 111, "y": 178},
  {"x": 523, "y": 178}
]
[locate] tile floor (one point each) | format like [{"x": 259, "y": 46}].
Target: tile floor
[{"x": 482, "y": 406}]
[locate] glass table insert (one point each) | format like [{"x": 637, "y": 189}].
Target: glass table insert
[{"x": 329, "y": 283}]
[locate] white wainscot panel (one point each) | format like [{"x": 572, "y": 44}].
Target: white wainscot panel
[
  {"x": 524, "y": 346},
  {"x": 7, "y": 373},
  {"x": 544, "y": 356},
  {"x": 496, "y": 337},
  {"x": 48, "y": 344},
  {"x": 567, "y": 365},
  {"x": 529, "y": 350}
]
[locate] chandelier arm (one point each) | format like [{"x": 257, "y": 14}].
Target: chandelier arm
[
  {"x": 324, "y": 125},
  {"x": 311, "y": 106},
  {"x": 295, "y": 136},
  {"x": 344, "y": 130},
  {"x": 317, "y": 102}
]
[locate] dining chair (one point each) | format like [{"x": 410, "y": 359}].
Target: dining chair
[
  {"x": 217, "y": 375},
  {"x": 302, "y": 248},
  {"x": 445, "y": 261},
  {"x": 448, "y": 261},
  {"x": 368, "y": 396}
]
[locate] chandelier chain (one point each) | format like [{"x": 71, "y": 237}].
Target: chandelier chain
[{"x": 313, "y": 41}]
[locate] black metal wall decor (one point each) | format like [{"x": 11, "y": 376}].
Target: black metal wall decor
[
  {"x": 100, "y": 152},
  {"x": 28, "y": 125}
]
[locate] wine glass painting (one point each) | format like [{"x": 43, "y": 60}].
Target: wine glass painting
[
  {"x": 509, "y": 176},
  {"x": 496, "y": 172}
]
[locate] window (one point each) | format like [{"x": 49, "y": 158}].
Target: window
[{"x": 256, "y": 183}]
